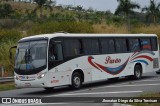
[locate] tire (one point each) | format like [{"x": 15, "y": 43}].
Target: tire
[
  {"x": 158, "y": 72},
  {"x": 48, "y": 88},
  {"x": 76, "y": 81},
  {"x": 137, "y": 72}
]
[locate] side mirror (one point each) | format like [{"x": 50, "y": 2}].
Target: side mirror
[{"x": 10, "y": 51}]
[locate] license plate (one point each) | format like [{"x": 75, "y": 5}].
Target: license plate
[{"x": 27, "y": 84}]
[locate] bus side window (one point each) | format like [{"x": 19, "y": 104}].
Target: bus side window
[
  {"x": 55, "y": 52},
  {"x": 154, "y": 44},
  {"x": 51, "y": 56},
  {"x": 58, "y": 51},
  {"x": 72, "y": 47},
  {"x": 91, "y": 46},
  {"x": 107, "y": 46},
  {"x": 134, "y": 44},
  {"x": 145, "y": 44},
  {"x": 121, "y": 45}
]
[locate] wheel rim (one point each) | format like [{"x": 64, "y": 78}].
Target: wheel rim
[
  {"x": 77, "y": 81},
  {"x": 138, "y": 73}
]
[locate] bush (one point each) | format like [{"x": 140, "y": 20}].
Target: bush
[
  {"x": 5, "y": 10},
  {"x": 70, "y": 27},
  {"x": 135, "y": 23},
  {"x": 4, "y": 58},
  {"x": 9, "y": 23},
  {"x": 8, "y": 38},
  {"x": 26, "y": 25},
  {"x": 115, "y": 20},
  {"x": 9, "y": 35}
]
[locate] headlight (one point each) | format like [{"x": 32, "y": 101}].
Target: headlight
[
  {"x": 41, "y": 76},
  {"x": 15, "y": 77}
]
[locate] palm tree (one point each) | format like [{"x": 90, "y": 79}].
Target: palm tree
[
  {"x": 126, "y": 7},
  {"x": 153, "y": 10},
  {"x": 41, "y": 4}
]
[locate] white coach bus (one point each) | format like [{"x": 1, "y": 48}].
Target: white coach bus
[{"x": 51, "y": 60}]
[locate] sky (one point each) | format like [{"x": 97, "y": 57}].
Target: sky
[{"x": 101, "y": 5}]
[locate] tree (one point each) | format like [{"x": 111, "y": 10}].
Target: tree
[
  {"x": 153, "y": 10},
  {"x": 126, "y": 7},
  {"x": 79, "y": 8},
  {"x": 90, "y": 10},
  {"x": 5, "y": 10},
  {"x": 41, "y": 4}
]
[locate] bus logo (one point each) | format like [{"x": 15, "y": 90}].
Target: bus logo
[
  {"x": 113, "y": 71},
  {"x": 109, "y": 60},
  {"x": 136, "y": 57}
]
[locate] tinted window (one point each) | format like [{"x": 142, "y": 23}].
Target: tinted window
[
  {"x": 91, "y": 46},
  {"x": 107, "y": 46},
  {"x": 154, "y": 44},
  {"x": 145, "y": 44},
  {"x": 71, "y": 47},
  {"x": 134, "y": 44},
  {"x": 55, "y": 52},
  {"x": 121, "y": 45}
]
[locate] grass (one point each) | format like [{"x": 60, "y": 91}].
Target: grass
[
  {"x": 23, "y": 8},
  {"x": 150, "y": 29},
  {"x": 146, "y": 29},
  {"x": 5, "y": 60},
  {"x": 7, "y": 86},
  {"x": 103, "y": 28}
]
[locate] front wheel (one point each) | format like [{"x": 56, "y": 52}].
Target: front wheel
[
  {"x": 158, "y": 72},
  {"x": 48, "y": 88},
  {"x": 76, "y": 80},
  {"x": 137, "y": 72}
]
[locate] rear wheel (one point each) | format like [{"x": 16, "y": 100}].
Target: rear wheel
[
  {"x": 137, "y": 72},
  {"x": 76, "y": 80}
]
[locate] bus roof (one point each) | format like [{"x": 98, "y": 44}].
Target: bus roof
[{"x": 48, "y": 36}]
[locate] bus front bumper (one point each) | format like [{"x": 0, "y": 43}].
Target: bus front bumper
[{"x": 37, "y": 83}]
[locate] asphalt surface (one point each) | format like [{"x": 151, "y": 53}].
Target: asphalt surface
[{"x": 123, "y": 87}]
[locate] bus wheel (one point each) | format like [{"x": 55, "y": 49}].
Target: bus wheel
[
  {"x": 76, "y": 80},
  {"x": 48, "y": 88},
  {"x": 158, "y": 72},
  {"x": 137, "y": 72}
]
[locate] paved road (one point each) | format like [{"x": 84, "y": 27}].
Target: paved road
[{"x": 123, "y": 87}]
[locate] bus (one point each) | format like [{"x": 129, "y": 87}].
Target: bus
[{"x": 51, "y": 60}]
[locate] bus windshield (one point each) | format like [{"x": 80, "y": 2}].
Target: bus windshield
[{"x": 31, "y": 55}]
